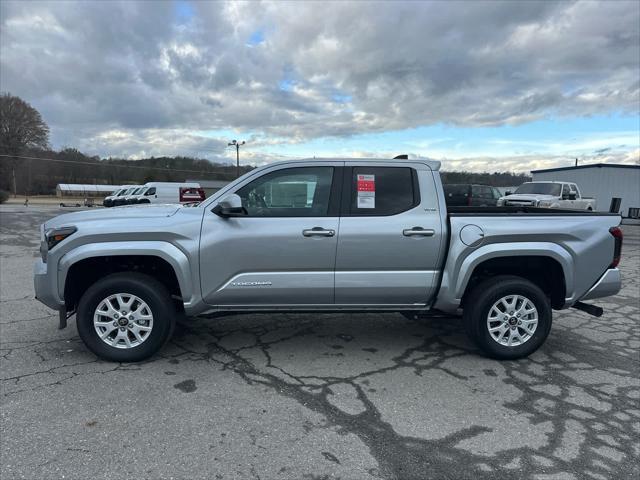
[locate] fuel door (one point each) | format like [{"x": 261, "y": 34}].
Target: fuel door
[{"x": 472, "y": 235}]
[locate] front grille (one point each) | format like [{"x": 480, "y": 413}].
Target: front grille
[{"x": 520, "y": 203}]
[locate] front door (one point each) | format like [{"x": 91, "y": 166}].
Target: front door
[
  {"x": 390, "y": 242},
  {"x": 282, "y": 253}
]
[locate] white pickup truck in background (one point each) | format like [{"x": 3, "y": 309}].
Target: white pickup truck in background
[{"x": 563, "y": 195}]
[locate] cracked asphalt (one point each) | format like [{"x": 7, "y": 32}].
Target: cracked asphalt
[{"x": 285, "y": 396}]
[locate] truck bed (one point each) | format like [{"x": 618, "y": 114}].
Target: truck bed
[
  {"x": 578, "y": 241},
  {"x": 521, "y": 211}
]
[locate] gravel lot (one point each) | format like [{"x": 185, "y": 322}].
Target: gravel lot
[{"x": 303, "y": 396}]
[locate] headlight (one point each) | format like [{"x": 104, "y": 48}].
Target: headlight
[
  {"x": 500, "y": 202},
  {"x": 55, "y": 235}
]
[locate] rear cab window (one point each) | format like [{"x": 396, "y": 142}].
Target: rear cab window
[{"x": 380, "y": 191}]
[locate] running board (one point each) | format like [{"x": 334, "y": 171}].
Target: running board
[{"x": 590, "y": 309}]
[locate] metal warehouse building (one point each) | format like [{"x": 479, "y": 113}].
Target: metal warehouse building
[{"x": 602, "y": 181}]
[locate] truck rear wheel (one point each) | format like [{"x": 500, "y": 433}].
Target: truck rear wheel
[
  {"x": 507, "y": 317},
  {"x": 125, "y": 317}
]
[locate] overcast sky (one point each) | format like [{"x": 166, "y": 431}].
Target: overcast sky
[{"x": 481, "y": 85}]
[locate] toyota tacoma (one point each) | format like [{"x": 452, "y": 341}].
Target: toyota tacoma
[{"x": 346, "y": 235}]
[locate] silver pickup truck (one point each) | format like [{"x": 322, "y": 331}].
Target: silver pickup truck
[{"x": 349, "y": 235}]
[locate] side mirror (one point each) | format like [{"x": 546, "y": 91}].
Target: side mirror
[
  {"x": 508, "y": 192},
  {"x": 572, "y": 196},
  {"x": 230, "y": 206}
]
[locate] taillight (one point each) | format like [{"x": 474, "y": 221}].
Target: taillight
[{"x": 617, "y": 249}]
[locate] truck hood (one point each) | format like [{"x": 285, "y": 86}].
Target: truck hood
[
  {"x": 529, "y": 197},
  {"x": 115, "y": 213}
]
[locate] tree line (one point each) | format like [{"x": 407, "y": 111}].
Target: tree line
[
  {"x": 495, "y": 179},
  {"x": 38, "y": 171},
  {"x": 28, "y": 166}
]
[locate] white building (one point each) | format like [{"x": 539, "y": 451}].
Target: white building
[
  {"x": 84, "y": 190},
  {"x": 602, "y": 181}
]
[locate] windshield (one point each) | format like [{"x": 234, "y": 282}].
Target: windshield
[
  {"x": 539, "y": 188},
  {"x": 115, "y": 193},
  {"x": 126, "y": 192},
  {"x": 137, "y": 191}
]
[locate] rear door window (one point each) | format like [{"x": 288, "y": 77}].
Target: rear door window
[{"x": 382, "y": 191}]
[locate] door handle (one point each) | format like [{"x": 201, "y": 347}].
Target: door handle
[
  {"x": 418, "y": 231},
  {"x": 318, "y": 232}
]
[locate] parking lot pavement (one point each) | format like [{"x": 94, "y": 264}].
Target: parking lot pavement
[{"x": 315, "y": 396}]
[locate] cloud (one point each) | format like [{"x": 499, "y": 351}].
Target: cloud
[{"x": 308, "y": 70}]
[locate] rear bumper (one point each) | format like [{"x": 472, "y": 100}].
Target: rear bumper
[
  {"x": 44, "y": 287},
  {"x": 608, "y": 284}
]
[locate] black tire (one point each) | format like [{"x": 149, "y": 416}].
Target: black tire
[
  {"x": 479, "y": 302},
  {"x": 148, "y": 289}
]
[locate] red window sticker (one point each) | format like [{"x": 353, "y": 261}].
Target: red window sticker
[
  {"x": 366, "y": 183},
  {"x": 366, "y": 187}
]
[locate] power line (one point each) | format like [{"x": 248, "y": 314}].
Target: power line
[{"x": 116, "y": 165}]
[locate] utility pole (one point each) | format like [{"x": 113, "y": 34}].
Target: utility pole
[
  {"x": 576, "y": 162},
  {"x": 235, "y": 143}
]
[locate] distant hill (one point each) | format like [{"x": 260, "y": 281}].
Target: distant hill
[{"x": 40, "y": 174}]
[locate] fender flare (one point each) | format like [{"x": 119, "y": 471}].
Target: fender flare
[
  {"x": 458, "y": 273},
  {"x": 164, "y": 250}
]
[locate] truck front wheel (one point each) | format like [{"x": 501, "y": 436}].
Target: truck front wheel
[
  {"x": 507, "y": 317},
  {"x": 125, "y": 317}
]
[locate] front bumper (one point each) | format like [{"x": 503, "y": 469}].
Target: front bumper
[
  {"x": 608, "y": 284},
  {"x": 45, "y": 287}
]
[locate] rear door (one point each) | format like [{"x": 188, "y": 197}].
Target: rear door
[
  {"x": 390, "y": 237},
  {"x": 283, "y": 252}
]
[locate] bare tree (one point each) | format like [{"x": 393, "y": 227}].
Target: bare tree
[{"x": 21, "y": 127}]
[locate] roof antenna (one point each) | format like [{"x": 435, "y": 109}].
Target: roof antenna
[{"x": 404, "y": 156}]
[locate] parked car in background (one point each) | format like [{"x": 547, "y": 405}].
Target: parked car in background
[
  {"x": 325, "y": 235},
  {"x": 121, "y": 198},
  {"x": 135, "y": 195},
  {"x": 564, "y": 195},
  {"x": 109, "y": 201},
  {"x": 156, "y": 192},
  {"x": 468, "y": 195},
  {"x": 170, "y": 192}
]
